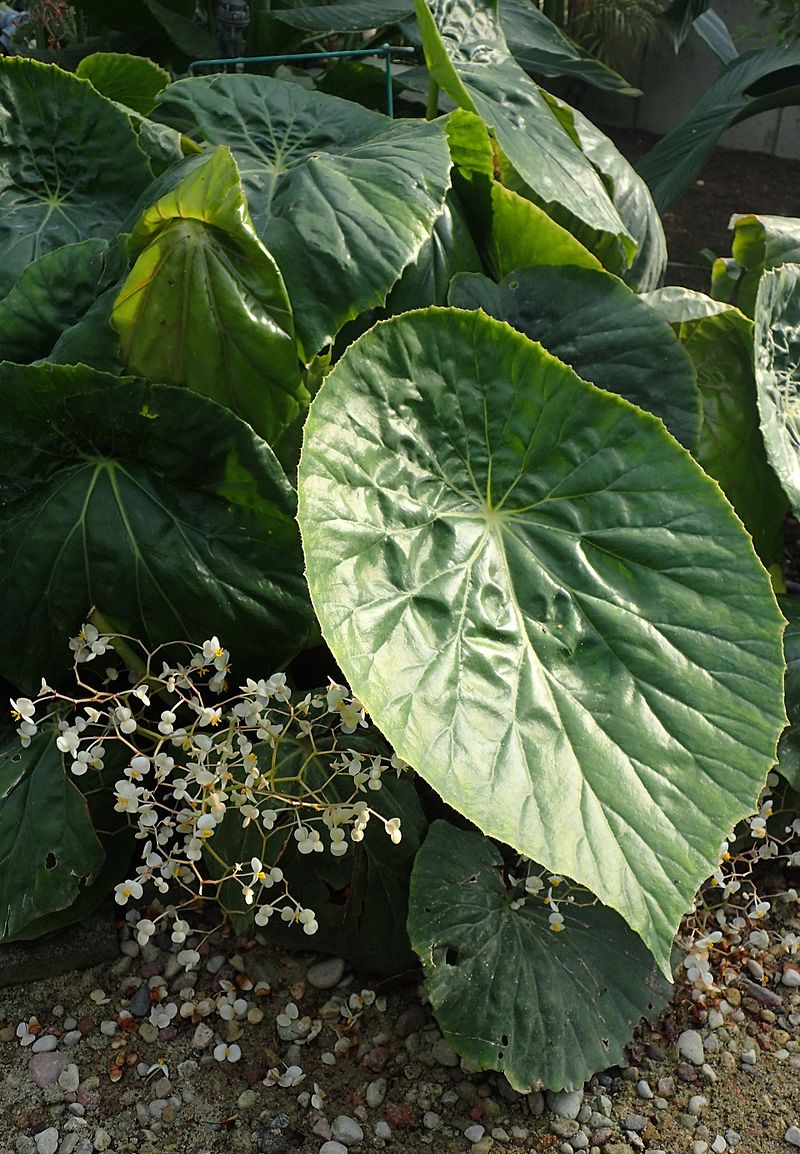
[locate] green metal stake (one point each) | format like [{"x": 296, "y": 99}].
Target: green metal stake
[{"x": 386, "y": 51}]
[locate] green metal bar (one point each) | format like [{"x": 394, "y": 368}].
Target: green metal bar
[{"x": 386, "y": 51}]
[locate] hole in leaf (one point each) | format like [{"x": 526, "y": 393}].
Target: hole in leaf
[
  {"x": 451, "y": 957},
  {"x": 499, "y": 1055},
  {"x": 337, "y": 897},
  {"x": 50, "y": 862},
  {"x": 604, "y": 1043},
  {"x": 504, "y": 1040}
]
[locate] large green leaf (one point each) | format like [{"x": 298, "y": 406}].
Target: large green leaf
[
  {"x": 53, "y": 295},
  {"x": 155, "y": 505},
  {"x": 360, "y": 899},
  {"x": 545, "y": 605},
  {"x": 591, "y": 321},
  {"x": 343, "y": 198},
  {"x": 70, "y": 166},
  {"x": 546, "y": 1009},
  {"x": 789, "y": 744},
  {"x": 202, "y": 276},
  {"x": 719, "y": 340},
  {"x": 449, "y": 250},
  {"x": 541, "y": 48},
  {"x": 468, "y": 56},
  {"x": 673, "y": 163},
  {"x": 759, "y": 242},
  {"x": 48, "y": 848},
  {"x": 133, "y": 81},
  {"x": 777, "y": 360},
  {"x": 631, "y": 198}
]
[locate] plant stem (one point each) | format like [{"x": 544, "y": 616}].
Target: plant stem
[
  {"x": 432, "y": 109},
  {"x": 125, "y": 651}
]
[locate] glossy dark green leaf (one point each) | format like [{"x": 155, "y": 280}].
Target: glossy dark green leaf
[
  {"x": 133, "y": 81},
  {"x": 789, "y": 745},
  {"x": 449, "y": 250},
  {"x": 592, "y": 322},
  {"x": 343, "y": 198},
  {"x": 541, "y": 48},
  {"x": 204, "y": 305},
  {"x": 48, "y": 847},
  {"x": 468, "y": 56},
  {"x": 176, "y": 18},
  {"x": 70, "y": 165},
  {"x": 510, "y": 994},
  {"x": 155, "y": 505},
  {"x": 719, "y": 340},
  {"x": 777, "y": 361},
  {"x": 674, "y": 162},
  {"x": 361, "y": 898},
  {"x": 546, "y": 606},
  {"x": 632, "y": 200},
  {"x": 51, "y": 296}
]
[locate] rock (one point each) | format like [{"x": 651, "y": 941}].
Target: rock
[
  {"x": 565, "y": 1103},
  {"x": 690, "y": 1047},
  {"x": 332, "y": 1148},
  {"x": 102, "y": 1139},
  {"x": 643, "y": 1089},
  {"x": 140, "y": 1003},
  {"x": 69, "y": 1079},
  {"x": 636, "y": 1122},
  {"x": 326, "y": 974},
  {"x": 45, "y": 1044},
  {"x": 246, "y": 1099},
  {"x": 444, "y": 1054},
  {"x": 474, "y": 1133},
  {"x": 376, "y": 1092},
  {"x": 697, "y": 1103},
  {"x": 791, "y": 977},
  {"x": 383, "y": 1130},
  {"x": 46, "y": 1068},
  {"x": 410, "y": 1021},
  {"x": 430, "y": 1120},
  {"x": 203, "y": 1037},
  {"x": 346, "y": 1131},
  {"x": 47, "y": 1141},
  {"x": 792, "y": 1136}
]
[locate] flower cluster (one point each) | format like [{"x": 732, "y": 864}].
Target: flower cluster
[{"x": 189, "y": 757}]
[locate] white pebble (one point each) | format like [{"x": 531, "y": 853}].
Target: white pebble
[
  {"x": 72, "y": 1038},
  {"x": 430, "y": 1120},
  {"x": 346, "y": 1130},
  {"x": 47, "y": 1141},
  {"x": 474, "y": 1133},
  {"x": 715, "y": 1019},
  {"x": 792, "y": 1136},
  {"x": 332, "y": 1148},
  {"x": 690, "y": 1047},
  {"x": 791, "y": 976},
  {"x": 44, "y": 1044},
  {"x": 108, "y": 1028},
  {"x": 719, "y": 1145},
  {"x": 643, "y": 1089},
  {"x": 69, "y": 1079},
  {"x": 383, "y": 1130},
  {"x": 749, "y": 1058},
  {"x": 697, "y": 1104}
]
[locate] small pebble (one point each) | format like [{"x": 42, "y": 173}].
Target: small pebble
[
  {"x": 791, "y": 977},
  {"x": 444, "y": 1054},
  {"x": 474, "y": 1133},
  {"x": 44, "y": 1044},
  {"x": 47, "y": 1141},
  {"x": 332, "y": 1148},
  {"x": 430, "y": 1120},
  {"x": 643, "y": 1089},
  {"x": 376, "y": 1092},
  {"x": 102, "y": 1139},
  {"x": 346, "y": 1130},
  {"x": 202, "y": 1037},
  {"x": 215, "y": 963},
  {"x": 635, "y": 1122},
  {"x": 792, "y": 1136},
  {"x": 69, "y": 1079},
  {"x": 690, "y": 1047},
  {"x": 326, "y": 974},
  {"x": 383, "y": 1130},
  {"x": 140, "y": 1002},
  {"x": 719, "y": 1145},
  {"x": 565, "y": 1103}
]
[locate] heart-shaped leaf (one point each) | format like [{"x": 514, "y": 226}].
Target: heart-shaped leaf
[
  {"x": 545, "y": 605},
  {"x": 591, "y": 321},
  {"x": 205, "y": 306},
  {"x": 70, "y": 165},
  {"x": 155, "y": 505},
  {"x": 343, "y": 198},
  {"x": 546, "y": 1008},
  {"x": 48, "y": 847}
]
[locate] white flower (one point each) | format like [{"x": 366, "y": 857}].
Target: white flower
[
  {"x": 180, "y": 930},
  {"x": 290, "y": 1014},
  {"x": 127, "y": 796},
  {"x": 144, "y": 931},
  {"x": 263, "y": 914},
  {"x": 393, "y": 830},
  {"x": 189, "y": 959},
  {"x": 22, "y": 709},
  {"x": 308, "y": 921},
  {"x": 161, "y": 1016},
  {"x": 125, "y": 890},
  {"x": 308, "y": 840},
  {"x": 138, "y": 767},
  {"x": 124, "y": 719},
  {"x": 227, "y": 1053}
]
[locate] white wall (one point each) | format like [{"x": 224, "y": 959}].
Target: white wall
[{"x": 672, "y": 84}]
